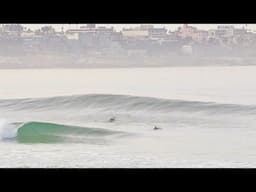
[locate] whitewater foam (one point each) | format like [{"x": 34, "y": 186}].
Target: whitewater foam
[{"x": 7, "y": 129}]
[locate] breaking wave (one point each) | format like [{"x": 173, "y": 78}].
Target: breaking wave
[
  {"x": 46, "y": 120},
  {"x": 44, "y": 132}
]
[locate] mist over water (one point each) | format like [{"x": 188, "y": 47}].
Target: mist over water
[{"x": 206, "y": 116}]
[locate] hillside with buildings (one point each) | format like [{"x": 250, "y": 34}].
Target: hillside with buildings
[{"x": 143, "y": 46}]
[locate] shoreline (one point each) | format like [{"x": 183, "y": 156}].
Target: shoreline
[{"x": 109, "y": 62}]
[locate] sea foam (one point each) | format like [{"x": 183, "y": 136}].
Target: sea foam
[{"x": 7, "y": 129}]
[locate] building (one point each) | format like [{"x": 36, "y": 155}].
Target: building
[
  {"x": 92, "y": 38},
  {"x": 145, "y": 32},
  {"x": 157, "y": 33},
  {"x": 135, "y": 33},
  {"x": 225, "y": 31},
  {"x": 189, "y": 32},
  {"x": 212, "y": 34},
  {"x": 201, "y": 36},
  {"x": 71, "y": 35},
  {"x": 186, "y": 31}
]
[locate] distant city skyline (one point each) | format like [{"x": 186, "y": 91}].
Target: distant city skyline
[
  {"x": 144, "y": 45},
  {"x": 119, "y": 27}
]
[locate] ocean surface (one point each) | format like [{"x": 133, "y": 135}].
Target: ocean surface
[{"x": 105, "y": 118}]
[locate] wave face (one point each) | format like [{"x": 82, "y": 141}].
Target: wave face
[
  {"x": 47, "y": 120},
  {"x": 126, "y": 103},
  {"x": 43, "y": 132}
]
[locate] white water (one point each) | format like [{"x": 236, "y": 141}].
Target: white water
[
  {"x": 188, "y": 138},
  {"x": 7, "y": 130}
]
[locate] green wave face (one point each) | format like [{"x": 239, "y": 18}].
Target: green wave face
[{"x": 40, "y": 132}]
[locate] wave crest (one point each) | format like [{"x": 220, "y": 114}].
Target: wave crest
[{"x": 126, "y": 103}]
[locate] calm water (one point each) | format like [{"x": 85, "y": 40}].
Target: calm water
[{"x": 60, "y": 117}]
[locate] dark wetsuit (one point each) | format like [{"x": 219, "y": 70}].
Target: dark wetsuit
[
  {"x": 112, "y": 119},
  {"x": 156, "y": 128}
]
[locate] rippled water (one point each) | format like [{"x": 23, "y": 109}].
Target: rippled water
[{"x": 60, "y": 117}]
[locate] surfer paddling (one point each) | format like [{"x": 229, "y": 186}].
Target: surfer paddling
[
  {"x": 157, "y": 128},
  {"x": 112, "y": 119}
]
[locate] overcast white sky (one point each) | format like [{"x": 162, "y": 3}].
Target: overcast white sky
[{"x": 120, "y": 26}]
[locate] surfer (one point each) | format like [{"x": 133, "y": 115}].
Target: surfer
[
  {"x": 112, "y": 119},
  {"x": 157, "y": 128}
]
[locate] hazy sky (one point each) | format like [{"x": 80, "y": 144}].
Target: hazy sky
[{"x": 120, "y": 26}]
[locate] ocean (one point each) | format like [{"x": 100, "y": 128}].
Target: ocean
[{"x": 105, "y": 118}]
